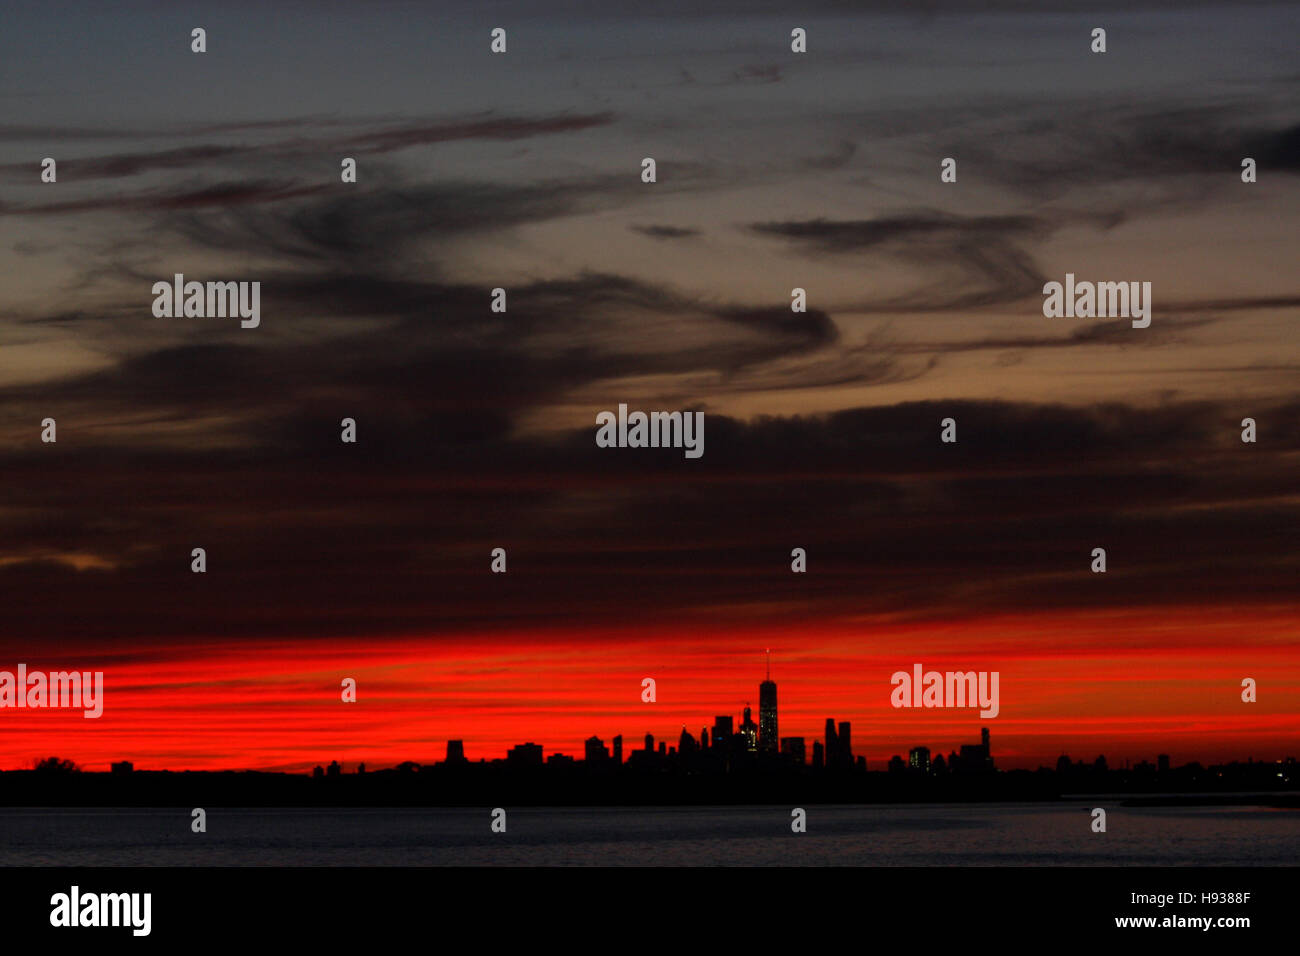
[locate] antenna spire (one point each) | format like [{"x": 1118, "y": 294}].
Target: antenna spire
[{"x": 769, "y": 663}]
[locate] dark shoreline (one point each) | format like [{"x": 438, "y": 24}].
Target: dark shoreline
[{"x": 498, "y": 785}]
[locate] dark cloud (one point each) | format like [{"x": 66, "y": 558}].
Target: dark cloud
[
  {"x": 1275, "y": 149},
  {"x": 851, "y": 235},
  {"x": 219, "y": 196},
  {"x": 970, "y": 261},
  {"x": 130, "y": 164},
  {"x": 1169, "y": 330},
  {"x": 380, "y": 224},
  {"x": 1127, "y": 160},
  {"x": 385, "y": 223},
  {"x": 559, "y": 336},
  {"x": 307, "y": 536},
  {"x": 286, "y": 154},
  {"x": 487, "y": 127},
  {"x": 666, "y": 232}
]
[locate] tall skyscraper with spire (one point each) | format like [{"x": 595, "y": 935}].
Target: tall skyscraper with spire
[{"x": 768, "y": 741}]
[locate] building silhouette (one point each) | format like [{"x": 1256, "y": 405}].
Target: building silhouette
[
  {"x": 767, "y": 727},
  {"x": 722, "y": 733},
  {"x": 839, "y": 745},
  {"x": 918, "y": 758},
  {"x": 525, "y": 755},
  {"x": 749, "y": 732},
  {"x": 975, "y": 758}
]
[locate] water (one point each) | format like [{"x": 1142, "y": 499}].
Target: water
[{"x": 900, "y": 835}]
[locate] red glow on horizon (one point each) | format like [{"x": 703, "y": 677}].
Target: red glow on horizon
[{"x": 1126, "y": 684}]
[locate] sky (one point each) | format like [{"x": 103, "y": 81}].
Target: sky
[{"x": 476, "y": 429}]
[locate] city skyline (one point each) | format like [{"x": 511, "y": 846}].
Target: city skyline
[
  {"x": 744, "y": 744},
  {"x": 827, "y": 518},
  {"x": 683, "y": 696}
]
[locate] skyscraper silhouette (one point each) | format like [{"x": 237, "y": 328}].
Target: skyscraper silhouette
[
  {"x": 768, "y": 741},
  {"x": 918, "y": 758},
  {"x": 722, "y": 731},
  {"x": 839, "y": 745},
  {"x": 686, "y": 744},
  {"x": 749, "y": 731}
]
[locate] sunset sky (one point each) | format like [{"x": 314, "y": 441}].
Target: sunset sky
[{"x": 476, "y": 430}]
